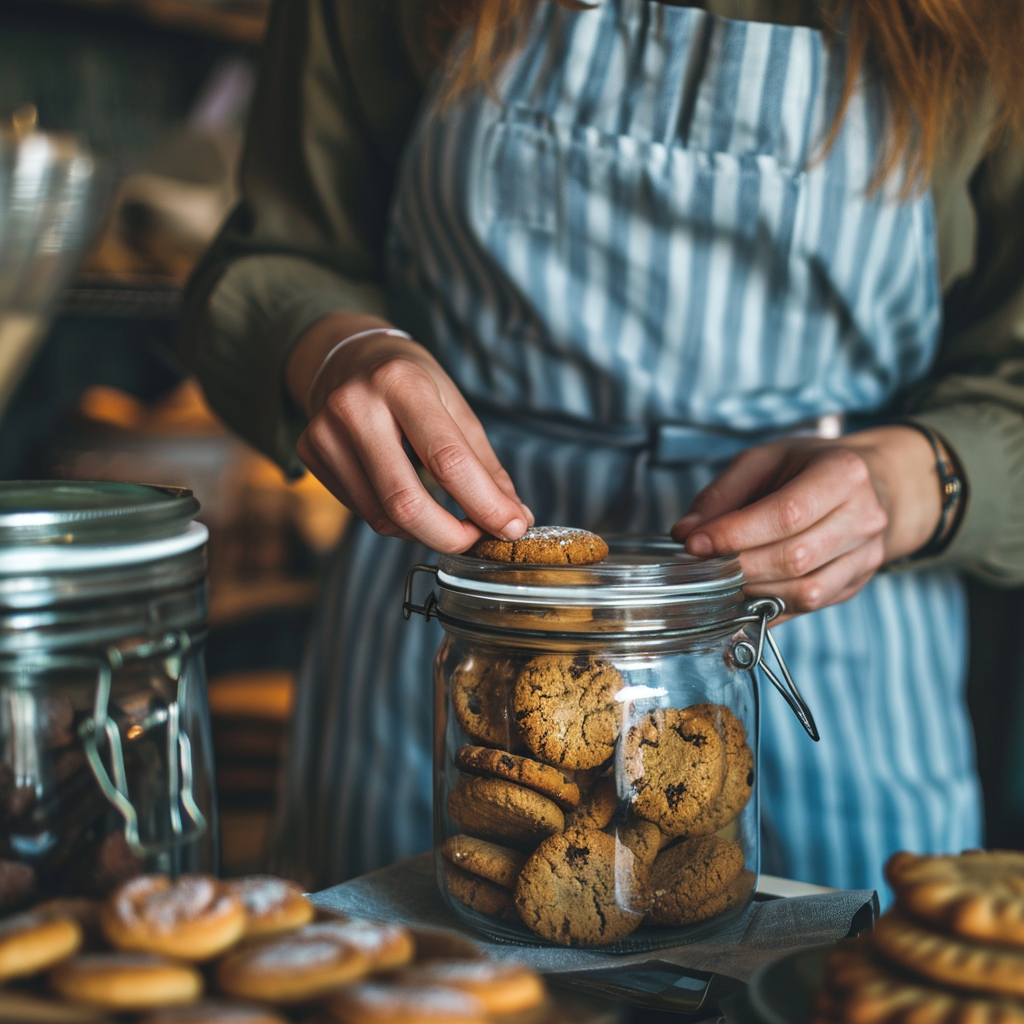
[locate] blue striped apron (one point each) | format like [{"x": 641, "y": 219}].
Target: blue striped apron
[{"x": 633, "y": 259}]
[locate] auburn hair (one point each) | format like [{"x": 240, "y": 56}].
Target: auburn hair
[{"x": 935, "y": 58}]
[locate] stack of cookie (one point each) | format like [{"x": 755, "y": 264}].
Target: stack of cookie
[
  {"x": 583, "y": 815},
  {"x": 156, "y": 947},
  {"x": 950, "y": 950}
]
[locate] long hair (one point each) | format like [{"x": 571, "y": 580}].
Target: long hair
[{"x": 935, "y": 57}]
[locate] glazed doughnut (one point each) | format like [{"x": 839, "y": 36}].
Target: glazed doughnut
[
  {"x": 501, "y": 988},
  {"x": 291, "y": 968},
  {"x": 214, "y": 1013},
  {"x": 126, "y": 981},
  {"x": 272, "y": 905},
  {"x": 31, "y": 942},
  {"x": 193, "y": 918},
  {"x": 386, "y": 946},
  {"x": 396, "y": 1004}
]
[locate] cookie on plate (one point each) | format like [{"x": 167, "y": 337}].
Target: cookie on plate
[
  {"x": 272, "y": 905},
  {"x": 126, "y": 981},
  {"x": 739, "y": 772},
  {"x": 481, "y": 690},
  {"x": 208, "y": 1012},
  {"x": 977, "y": 895},
  {"x": 692, "y": 881},
  {"x": 500, "y": 987},
  {"x": 386, "y": 946},
  {"x": 674, "y": 764},
  {"x": 535, "y": 775},
  {"x": 374, "y": 1003},
  {"x": 566, "y": 710},
  {"x": 33, "y": 942},
  {"x": 498, "y": 864},
  {"x": 545, "y": 545},
  {"x": 577, "y": 890},
  {"x": 503, "y": 812}
]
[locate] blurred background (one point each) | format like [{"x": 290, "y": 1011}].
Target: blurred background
[{"x": 142, "y": 106}]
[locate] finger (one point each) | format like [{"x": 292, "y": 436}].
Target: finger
[
  {"x": 828, "y": 585},
  {"x": 841, "y": 531},
  {"x": 738, "y": 484},
  {"x": 822, "y": 485}
]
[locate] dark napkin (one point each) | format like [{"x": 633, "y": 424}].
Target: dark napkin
[{"x": 407, "y": 893}]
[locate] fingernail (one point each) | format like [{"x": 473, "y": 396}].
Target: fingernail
[
  {"x": 700, "y": 545},
  {"x": 688, "y": 523},
  {"x": 513, "y": 530}
]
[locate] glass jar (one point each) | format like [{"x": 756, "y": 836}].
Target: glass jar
[
  {"x": 105, "y": 749},
  {"x": 596, "y": 737}
]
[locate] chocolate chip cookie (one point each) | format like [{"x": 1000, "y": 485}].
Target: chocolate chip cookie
[
  {"x": 545, "y": 545},
  {"x": 481, "y": 689},
  {"x": 739, "y": 772},
  {"x": 503, "y": 812},
  {"x": 687, "y": 878},
  {"x": 596, "y": 807},
  {"x": 566, "y": 710},
  {"x": 497, "y": 864},
  {"x": 542, "y": 778},
  {"x": 477, "y": 892}
]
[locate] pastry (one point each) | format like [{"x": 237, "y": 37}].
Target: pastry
[
  {"x": 272, "y": 905},
  {"x": 126, "y": 981},
  {"x": 565, "y": 708},
  {"x": 580, "y": 889},
  {"x": 33, "y": 942},
  {"x": 687, "y": 878},
  {"x": 497, "y": 864},
  {"x": 193, "y": 918},
  {"x": 371, "y": 1003},
  {"x": 978, "y": 895},
  {"x": 544, "y": 545},
  {"x": 291, "y": 968},
  {"x": 674, "y": 765},
  {"x": 476, "y": 892},
  {"x": 596, "y": 807},
  {"x": 739, "y": 772},
  {"x": 541, "y": 778},
  {"x": 386, "y": 946},
  {"x": 481, "y": 689},
  {"x": 504, "y": 812},
  {"x": 501, "y": 988},
  {"x": 215, "y": 1013},
  {"x": 959, "y": 963}
]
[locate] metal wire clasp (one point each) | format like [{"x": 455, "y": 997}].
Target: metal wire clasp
[
  {"x": 427, "y": 608},
  {"x": 764, "y": 611}
]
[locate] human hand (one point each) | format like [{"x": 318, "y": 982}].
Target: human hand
[
  {"x": 376, "y": 393},
  {"x": 812, "y": 520}
]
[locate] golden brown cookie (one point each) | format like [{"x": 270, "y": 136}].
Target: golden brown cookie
[
  {"x": 194, "y": 917},
  {"x": 477, "y": 893},
  {"x": 481, "y": 688},
  {"x": 32, "y": 942},
  {"x": 18, "y": 1006},
  {"x": 272, "y": 905},
  {"x": 643, "y": 838},
  {"x": 581, "y": 889},
  {"x": 126, "y": 981},
  {"x": 371, "y": 1003},
  {"x": 739, "y": 771},
  {"x": 500, "y": 987},
  {"x": 545, "y": 545},
  {"x": 566, "y": 710},
  {"x": 596, "y": 807},
  {"x": 433, "y": 943},
  {"x": 504, "y": 812},
  {"x": 977, "y": 895},
  {"x": 497, "y": 864},
  {"x": 386, "y": 946},
  {"x": 291, "y": 968},
  {"x": 959, "y": 963},
  {"x": 85, "y": 911},
  {"x": 208, "y": 1012},
  {"x": 674, "y": 765},
  {"x": 542, "y": 778},
  {"x": 687, "y": 878}
]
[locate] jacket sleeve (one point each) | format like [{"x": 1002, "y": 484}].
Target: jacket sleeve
[
  {"x": 335, "y": 100},
  {"x": 975, "y": 400}
]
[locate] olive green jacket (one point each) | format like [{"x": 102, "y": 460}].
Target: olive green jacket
[{"x": 341, "y": 84}]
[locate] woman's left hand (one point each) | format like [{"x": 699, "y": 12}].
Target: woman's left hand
[{"x": 813, "y": 520}]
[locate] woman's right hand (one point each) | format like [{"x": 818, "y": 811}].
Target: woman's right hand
[{"x": 376, "y": 393}]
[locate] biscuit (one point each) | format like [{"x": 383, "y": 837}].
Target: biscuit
[
  {"x": 194, "y": 917},
  {"x": 596, "y": 807},
  {"x": 643, "y": 838},
  {"x": 566, "y": 710},
  {"x": 497, "y": 864},
  {"x": 580, "y": 889},
  {"x": 481, "y": 691},
  {"x": 371, "y": 1003},
  {"x": 291, "y": 968},
  {"x": 477, "y": 893},
  {"x": 386, "y": 946},
  {"x": 500, "y": 987},
  {"x": 739, "y": 771},
  {"x": 541, "y": 778},
  {"x": 978, "y": 895},
  {"x": 33, "y": 942},
  {"x": 504, "y": 812},
  {"x": 958, "y": 963},
  {"x": 674, "y": 765},
  {"x": 687, "y": 878},
  {"x": 272, "y": 905},
  {"x": 215, "y": 1013},
  {"x": 544, "y": 545},
  {"x": 126, "y": 981}
]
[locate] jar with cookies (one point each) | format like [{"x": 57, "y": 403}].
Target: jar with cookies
[
  {"x": 105, "y": 752},
  {"x": 596, "y": 737}
]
